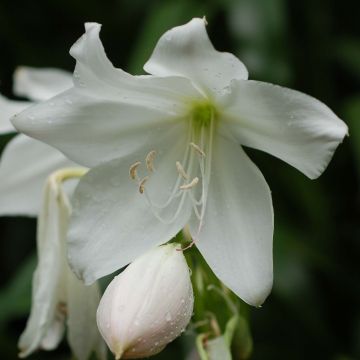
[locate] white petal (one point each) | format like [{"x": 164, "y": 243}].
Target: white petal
[
  {"x": 8, "y": 108},
  {"x": 83, "y": 335},
  {"x": 25, "y": 165},
  {"x": 285, "y": 123},
  {"x": 49, "y": 289},
  {"x": 236, "y": 240},
  {"x": 187, "y": 51},
  {"x": 217, "y": 349},
  {"x": 54, "y": 333},
  {"x": 109, "y": 113},
  {"x": 40, "y": 84},
  {"x": 95, "y": 75},
  {"x": 92, "y": 131},
  {"x": 112, "y": 222}
]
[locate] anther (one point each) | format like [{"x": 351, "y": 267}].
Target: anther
[
  {"x": 193, "y": 182},
  {"x": 181, "y": 170},
  {"x": 198, "y": 149},
  {"x": 132, "y": 170},
  {"x": 150, "y": 160},
  {"x": 142, "y": 184}
]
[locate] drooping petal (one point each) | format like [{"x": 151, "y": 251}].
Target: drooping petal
[
  {"x": 285, "y": 123},
  {"x": 7, "y": 109},
  {"x": 41, "y": 84},
  {"x": 54, "y": 333},
  {"x": 44, "y": 326},
  {"x": 187, "y": 51},
  {"x": 109, "y": 113},
  {"x": 112, "y": 222},
  {"x": 83, "y": 334},
  {"x": 236, "y": 239},
  {"x": 25, "y": 164}
]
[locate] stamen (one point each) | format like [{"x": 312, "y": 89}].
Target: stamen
[
  {"x": 132, "y": 170},
  {"x": 198, "y": 149},
  {"x": 181, "y": 170},
  {"x": 193, "y": 182},
  {"x": 142, "y": 184},
  {"x": 187, "y": 246},
  {"x": 150, "y": 157}
]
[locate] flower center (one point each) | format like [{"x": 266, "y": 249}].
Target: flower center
[
  {"x": 202, "y": 114},
  {"x": 194, "y": 168}
]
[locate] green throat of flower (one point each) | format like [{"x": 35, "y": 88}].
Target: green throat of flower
[{"x": 202, "y": 115}]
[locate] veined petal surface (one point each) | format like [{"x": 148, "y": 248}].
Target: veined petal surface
[
  {"x": 40, "y": 84},
  {"x": 24, "y": 166},
  {"x": 236, "y": 239},
  {"x": 109, "y": 113},
  {"x": 285, "y": 123},
  {"x": 112, "y": 222},
  {"x": 187, "y": 51}
]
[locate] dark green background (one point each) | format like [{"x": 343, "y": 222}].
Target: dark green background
[{"x": 312, "y": 46}]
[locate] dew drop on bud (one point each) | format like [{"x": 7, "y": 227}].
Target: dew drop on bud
[{"x": 153, "y": 326}]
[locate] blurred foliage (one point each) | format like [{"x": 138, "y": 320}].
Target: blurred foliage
[{"x": 312, "y": 46}]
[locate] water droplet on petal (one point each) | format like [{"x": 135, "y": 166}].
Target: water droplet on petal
[{"x": 168, "y": 316}]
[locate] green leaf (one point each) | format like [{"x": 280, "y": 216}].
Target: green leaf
[
  {"x": 352, "y": 115},
  {"x": 242, "y": 343},
  {"x": 348, "y": 53},
  {"x": 15, "y": 299}
]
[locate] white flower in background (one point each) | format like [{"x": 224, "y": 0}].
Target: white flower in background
[
  {"x": 26, "y": 163},
  {"x": 165, "y": 152},
  {"x": 58, "y": 296},
  {"x": 148, "y": 305}
]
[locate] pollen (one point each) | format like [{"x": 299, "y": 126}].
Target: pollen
[
  {"x": 150, "y": 157},
  {"x": 198, "y": 149},
  {"x": 133, "y": 170},
  {"x": 142, "y": 184},
  {"x": 193, "y": 182}
]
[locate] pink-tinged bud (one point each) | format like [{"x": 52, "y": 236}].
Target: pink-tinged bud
[{"x": 148, "y": 305}]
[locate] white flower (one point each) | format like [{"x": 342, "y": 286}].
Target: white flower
[
  {"x": 58, "y": 296},
  {"x": 178, "y": 132},
  {"x": 26, "y": 163},
  {"x": 148, "y": 305}
]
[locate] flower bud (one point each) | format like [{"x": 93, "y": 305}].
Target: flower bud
[{"x": 148, "y": 305}]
